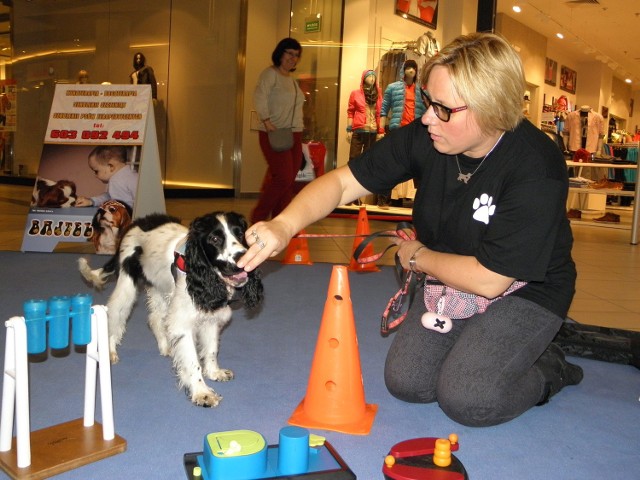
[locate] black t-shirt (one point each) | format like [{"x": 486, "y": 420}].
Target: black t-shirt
[{"x": 511, "y": 215}]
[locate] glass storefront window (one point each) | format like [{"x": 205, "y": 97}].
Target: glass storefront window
[
  {"x": 192, "y": 47},
  {"x": 318, "y": 28}
]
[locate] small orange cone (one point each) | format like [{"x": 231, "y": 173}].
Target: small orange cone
[
  {"x": 335, "y": 393},
  {"x": 297, "y": 252},
  {"x": 362, "y": 230}
]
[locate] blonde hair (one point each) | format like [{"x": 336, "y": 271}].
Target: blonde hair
[{"x": 487, "y": 74}]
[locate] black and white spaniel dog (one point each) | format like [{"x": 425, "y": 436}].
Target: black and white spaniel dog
[{"x": 190, "y": 276}]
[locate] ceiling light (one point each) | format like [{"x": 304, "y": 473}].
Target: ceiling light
[
  {"x": 516, "y": 8},
  {"x": 560, "y": 36},
  {"x": 628, "y": 80}
]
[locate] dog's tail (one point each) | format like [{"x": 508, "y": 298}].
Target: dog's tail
[{"x": 97, "y": 277}]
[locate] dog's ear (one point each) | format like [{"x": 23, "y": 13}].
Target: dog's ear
[
  {"x": 253, "y": 291},
  {"x": 127, "y": 215},
  {"x": 203, "y": 284},
  {"x": 96, "y": 228}
]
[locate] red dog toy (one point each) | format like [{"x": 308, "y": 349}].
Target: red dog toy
[{"x": 424, "y": 459}]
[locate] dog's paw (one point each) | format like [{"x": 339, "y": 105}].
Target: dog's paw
[
  {"x": 113, "y": 356},
  {"x": 164, "y": 348},
  {"x": 219, "y": 374},
  {"x": 206, "y": 399}
]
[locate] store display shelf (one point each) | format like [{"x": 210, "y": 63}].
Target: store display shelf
[
  {"x": 590, "y": 223},
  {"x": 603, "y": 191},
  {"x": 629, "y": 166},
  {"x": 634, "y": 226}
]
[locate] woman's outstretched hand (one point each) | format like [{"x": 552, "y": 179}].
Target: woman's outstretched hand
[{"x": 265, "y": 240}]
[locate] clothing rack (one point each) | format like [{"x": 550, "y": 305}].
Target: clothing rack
[
  {"x": 635, "y": 216},
  {"x": 392, "y": 49},
  {"x": 401, "y": 45},
  {"x": 625, "y": 145}
]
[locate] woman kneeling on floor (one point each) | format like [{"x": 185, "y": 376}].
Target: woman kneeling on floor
[{"x": 493, "y": 248}]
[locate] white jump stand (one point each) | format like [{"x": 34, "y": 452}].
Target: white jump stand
[{"x": 66, "y": 446}]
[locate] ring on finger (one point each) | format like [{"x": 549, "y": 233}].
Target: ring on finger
[
  {"x": 261, "y": 244},
  {"x": 255, "y": 235}
]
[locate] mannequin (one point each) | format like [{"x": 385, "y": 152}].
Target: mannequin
[
  {"x": 143, "y": 74},
  {"x": 400, "y": 97},
  {"x": 562, "y": 107},
  {"x": 402, "y": 105},
  {"x": 363, "y": 116},
  {"x": 427, "y": 45},
  {"x": 5, "y": 106},
  {"x": 584, "y": 128},
  {"x": 83, "y": 76}
]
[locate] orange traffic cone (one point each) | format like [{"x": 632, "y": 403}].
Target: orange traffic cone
[
  {"x": 297, "y": 252},
  {"x": 362, "y": 230},
  {"x": 335, "y": 393}
]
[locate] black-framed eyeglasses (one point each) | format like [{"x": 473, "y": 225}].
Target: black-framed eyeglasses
[{"x": 442, "y": 112}]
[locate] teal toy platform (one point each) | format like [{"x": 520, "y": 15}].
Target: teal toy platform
[{"x": 245, "y": 455}]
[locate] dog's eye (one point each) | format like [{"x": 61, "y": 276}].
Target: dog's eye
[
  {"x": 215, "y": 240},
  {"x": 112, "y": 208}
]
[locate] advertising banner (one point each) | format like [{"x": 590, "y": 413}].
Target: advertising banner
[{"x": 99, "y": 168}]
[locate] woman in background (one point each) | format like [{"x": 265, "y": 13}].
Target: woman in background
[{"x": 278, "y": 101}]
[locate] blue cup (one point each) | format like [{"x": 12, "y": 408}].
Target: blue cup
[
  {"x": 81, "y": 318},
  {"x": 293, "y": 451},
  {"x": 59, "y": 314},
  {"x": 35, "y": 315}
]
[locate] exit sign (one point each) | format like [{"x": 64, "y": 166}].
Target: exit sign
[{"x": 312, "y": 24}]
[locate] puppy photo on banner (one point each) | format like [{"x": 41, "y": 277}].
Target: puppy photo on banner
[{"x": 72, "y": 202}]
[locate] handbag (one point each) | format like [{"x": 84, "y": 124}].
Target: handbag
[{"x": 281, "y": 139}]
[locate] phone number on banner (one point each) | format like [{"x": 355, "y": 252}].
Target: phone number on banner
[{"x": 94, "y": 135}]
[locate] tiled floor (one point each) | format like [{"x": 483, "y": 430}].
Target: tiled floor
[{"x": 608, "y": 289}]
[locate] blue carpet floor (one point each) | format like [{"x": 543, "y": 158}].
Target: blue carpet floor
[{"x": 590, "y": 431}]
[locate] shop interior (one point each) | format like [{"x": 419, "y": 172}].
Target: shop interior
[
  {"x": 103, "y": 44},
  {"x": 586, "y": 68},
  {"x": 206, "y": 55}
]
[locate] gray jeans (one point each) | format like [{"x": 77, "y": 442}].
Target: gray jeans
[{"x": 483, "y": 371}]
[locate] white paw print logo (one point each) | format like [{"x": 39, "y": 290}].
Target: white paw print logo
[{"x": 483, "y": 208}]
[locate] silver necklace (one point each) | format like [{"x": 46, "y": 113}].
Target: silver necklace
[{"x": 465, "y": 177}]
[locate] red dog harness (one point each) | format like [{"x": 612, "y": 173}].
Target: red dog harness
[{"x": 179, "y": 258}]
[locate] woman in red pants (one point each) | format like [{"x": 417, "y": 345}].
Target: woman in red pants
[{"x": 278, "y": 101}]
